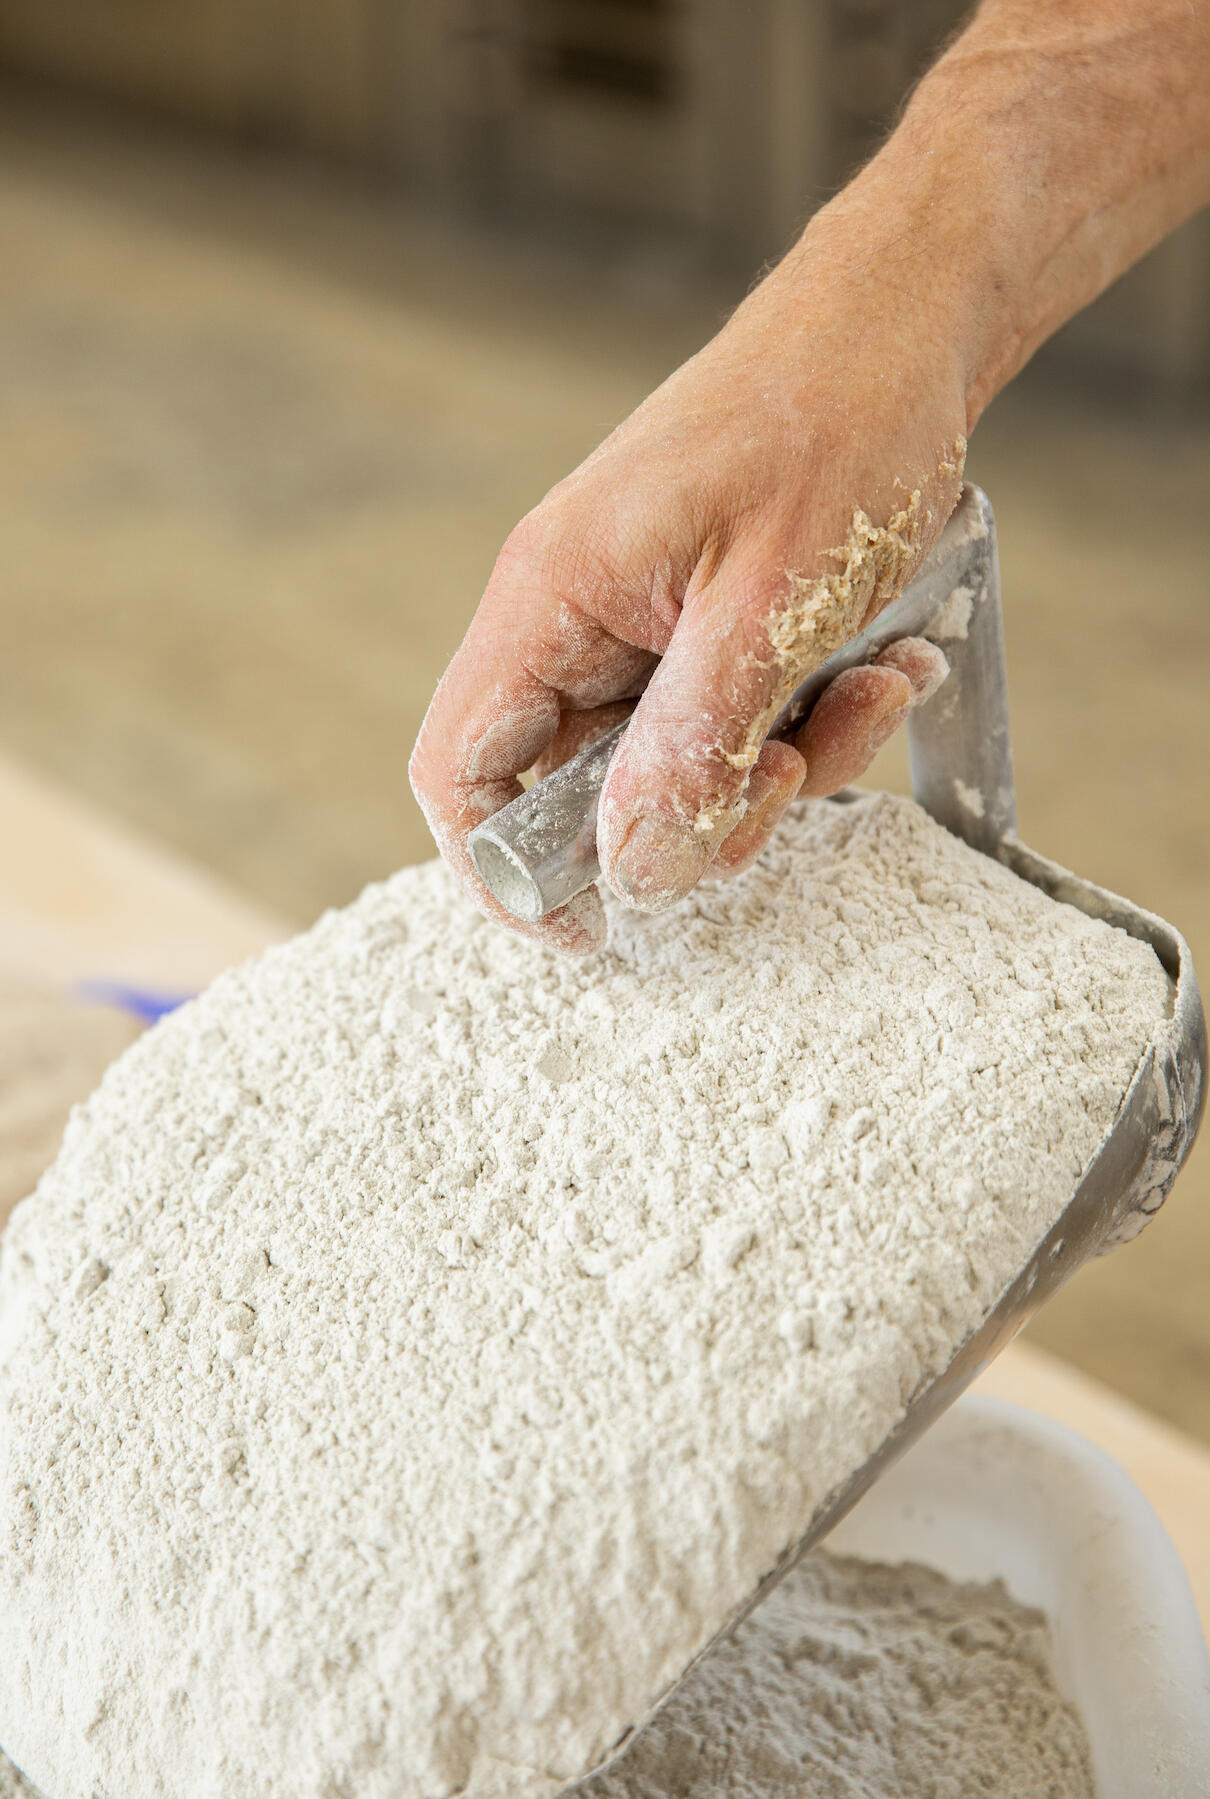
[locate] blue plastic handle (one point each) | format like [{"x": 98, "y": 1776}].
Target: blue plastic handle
[{"x": 139, "y": 1001}]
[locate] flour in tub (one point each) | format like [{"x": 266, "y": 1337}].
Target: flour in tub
[{"x": 856, "y": 1680}]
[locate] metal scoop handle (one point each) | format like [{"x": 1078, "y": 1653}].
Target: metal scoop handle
[{"x": 541, "y": 850}]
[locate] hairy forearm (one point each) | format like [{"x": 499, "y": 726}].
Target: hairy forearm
[{"x": 1047, "y": 150}]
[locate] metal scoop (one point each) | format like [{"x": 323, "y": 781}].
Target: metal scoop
[{"x": 540, "y": 850}]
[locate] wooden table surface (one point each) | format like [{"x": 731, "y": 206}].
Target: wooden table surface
[{"x": 80, "y": 897}]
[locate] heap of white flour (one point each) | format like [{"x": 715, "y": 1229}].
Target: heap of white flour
[
  {"x": 855, "y": 1680},
  {"x": 423, "y": 1343}
]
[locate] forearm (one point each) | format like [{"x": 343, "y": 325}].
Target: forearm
[{"x": 1046, "y": 151}]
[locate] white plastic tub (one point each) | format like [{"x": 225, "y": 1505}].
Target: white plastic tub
[{"x": 994, "y": 1491}]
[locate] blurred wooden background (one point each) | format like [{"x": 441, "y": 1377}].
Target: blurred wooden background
[{"x": 707, "y": 127}]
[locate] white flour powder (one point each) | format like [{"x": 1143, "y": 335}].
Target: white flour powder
[
  {"x": 424, "y": 1342},
  {"x": 855, "y": 1680}
]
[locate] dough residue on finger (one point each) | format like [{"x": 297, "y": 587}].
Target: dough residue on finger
[{"x": 818, "y": 614}]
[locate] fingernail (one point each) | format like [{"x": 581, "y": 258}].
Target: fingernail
[
  {"x": 660, "y": 859},
  {"x": 886, "y": 728}
]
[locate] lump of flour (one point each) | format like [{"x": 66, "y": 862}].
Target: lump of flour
[
  {"x": 424, "y": 1342},
  {"x": 858, "y": 1680}
]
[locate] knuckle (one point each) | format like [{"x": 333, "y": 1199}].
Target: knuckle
[
  {"x": 419, "y": 772},
  {"x": 522, "y": 557}
]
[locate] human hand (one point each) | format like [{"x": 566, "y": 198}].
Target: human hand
[
  {"x": 719, "y": 545},
  {"x": 739, "y": 527}
]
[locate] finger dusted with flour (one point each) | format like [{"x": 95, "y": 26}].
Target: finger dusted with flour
[
  {"x": 531, "y": 667},
  {"x": 861, "y": 710}
]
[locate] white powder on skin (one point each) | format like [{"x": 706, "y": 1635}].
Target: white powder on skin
[
  {"x": 855, "y": 1680},
  {"x": 424, "y": 1342}
]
